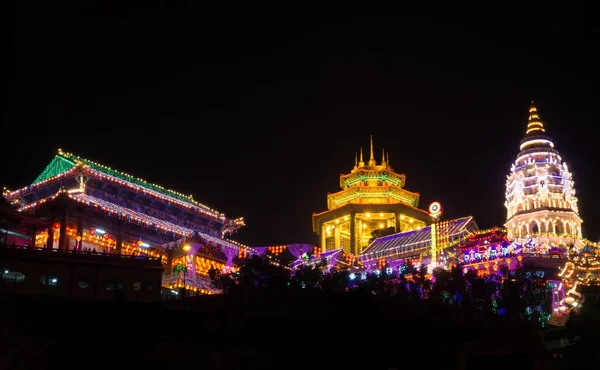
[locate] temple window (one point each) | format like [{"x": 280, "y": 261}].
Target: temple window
[
  {"x": 83, "y": 283},
  {"x": 14, "y": 277},
  {"x": 534, "y": 228},
  {"x": 559, "y": 228},
  {"x": 49, "y": 280},
  {"x": 113, "y": 284}
]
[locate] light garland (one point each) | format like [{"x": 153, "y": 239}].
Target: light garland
[{"x": 102, "y": 172}]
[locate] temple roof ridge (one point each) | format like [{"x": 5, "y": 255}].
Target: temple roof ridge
[{"x": 64, "y": 163}]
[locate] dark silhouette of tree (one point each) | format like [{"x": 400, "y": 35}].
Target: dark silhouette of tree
[
  {"x": 306, "y": 277},
  {"x": 441, "y": 288},
  {"x": 378, "y": 233},
  {"x": 458, "y": 288}
]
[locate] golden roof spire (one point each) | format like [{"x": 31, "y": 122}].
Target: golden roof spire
[
  {"x": 371, "y": 157},
  {"x": 383, "y": 157},
  {"x": 388, "y": 159},
  {"x": 361, "y": 162},
  {"x": 355, "y": 160},
  {"x": 535, "y": 126}
]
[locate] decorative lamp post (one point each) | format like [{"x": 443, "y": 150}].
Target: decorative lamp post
[
  {"x": 186, "y": 249},
  {"x": 435, "y": 211}
]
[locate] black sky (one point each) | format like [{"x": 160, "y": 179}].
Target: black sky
[{"x": 257, "y": 111}]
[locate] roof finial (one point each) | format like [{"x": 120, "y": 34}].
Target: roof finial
[
  {"x": 361, "y": 162},
  {"x": 535, "y": 126},
  {"x": 383, "y": 157},
  {"x": 388, "y": 159},
  {"x": 355, "y": 160},
  {"x": 371, "y": 157}
]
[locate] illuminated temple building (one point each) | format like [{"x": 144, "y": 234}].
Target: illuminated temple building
[
  {"x": 540, "y": 195},
  {"x": 372, "y": 198},
  {"x": 393, "y": 250},
  {"x": 92, "y": 208}
]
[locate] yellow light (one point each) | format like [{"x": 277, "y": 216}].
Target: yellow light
[
  {"x": 345, "y": 218},
  {"x": 337, "y": 221},
  {"x": 187, "y": 247},
  {"x": 402, "y": 217},
  {"x": 381, "y": 215},
  {"x": 368, "y": 215},
  {"x": 364, "y": 226},
  {"x": 381, "y": 226}
]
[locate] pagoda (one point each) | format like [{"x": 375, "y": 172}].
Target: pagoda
[
  {"x": 372, "y": 198},
  {"x": 540, "y": 196}
]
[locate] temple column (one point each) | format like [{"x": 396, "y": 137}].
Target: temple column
[
  {"x": 336, "y": 235},
  {"x": 79, "y": 237},
  {"x": 192, "y": 262},
  {"x": 50, "y": 240},
  {"x": 119, "y": 238},
  {"x": 169, "y": 266},
  {"x": 353, "y": 233},
  {"x": 323, "y": 238},
  {"x": 62, "y": 236},
  {"x": 33, "y": 232},
  {"x": 359, "y": 234},
  {"x": 397, "y": 217}
]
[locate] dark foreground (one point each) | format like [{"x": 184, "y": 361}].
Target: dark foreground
[{"x": 300, "y": 332}]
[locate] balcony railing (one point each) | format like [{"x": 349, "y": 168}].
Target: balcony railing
[{"x": 78, "y": 254}]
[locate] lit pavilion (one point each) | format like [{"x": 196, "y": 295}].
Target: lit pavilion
[{"x": 372, "y": 198}]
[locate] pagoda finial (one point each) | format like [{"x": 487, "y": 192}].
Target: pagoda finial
[
  {"x": 535, "y": 126},
  {"x": 388, "y": 159},
  {"x": 355, "y": 160},
  {"x": 361, "y": 162},
  {"x": 372, "y": 156},
  {"x": 383, "y": 157}
]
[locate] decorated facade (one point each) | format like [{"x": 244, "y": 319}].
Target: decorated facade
[
  {"x": 372, "y": 198},
  {"x": 540, "y": 195},
  {"x": 416, "y": 246},
  {"x": 95, "y": 209}
]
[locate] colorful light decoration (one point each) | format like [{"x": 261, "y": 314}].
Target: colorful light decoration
[
  {"x": 104, "y": 173},
  {"x": 540, "y": 194}
]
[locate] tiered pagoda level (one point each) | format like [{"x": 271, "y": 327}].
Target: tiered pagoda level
[
  {"x": 540, "y": 194},
  {"x": 92, "y": 207},
  {"x": 372, "y": 197}
]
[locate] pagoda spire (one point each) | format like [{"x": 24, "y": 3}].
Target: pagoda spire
[
  {"x": 355, "y": 160},
  {"x": 372, "y": 156},
  {"x": 361, "y": 162},
  {"x": 535, "y": 136},
  {"x": 535, "y": 126},
  {"x": 383, "y": 157},
  {"x": 388, "y": 159}
]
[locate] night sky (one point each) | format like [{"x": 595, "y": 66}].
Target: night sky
[{"x": 256, "y": 112}]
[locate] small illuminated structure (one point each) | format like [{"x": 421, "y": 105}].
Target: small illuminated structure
[
  {"x": 372, "y": 197},
  {"x": 394, "y": 249},
  {"x": 540, "y": 195},
  {"x": 435, "y": 212}
]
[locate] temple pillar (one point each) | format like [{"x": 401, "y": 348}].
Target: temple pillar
[
  {"x": 337, "y": 236},
  {"x": 397, "y": 219},
  {"x": 353, "y": 233},
  {"x": 79, "y": 237},
  {"x": 33, "y": 232},
  {"x": 119, "y": 238},
  {"x": 323, "y": 238},
  {"x": 169, "y": 266},
  {"x": 50, "y": 240},
  {"x": 62, "y": 236}
]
